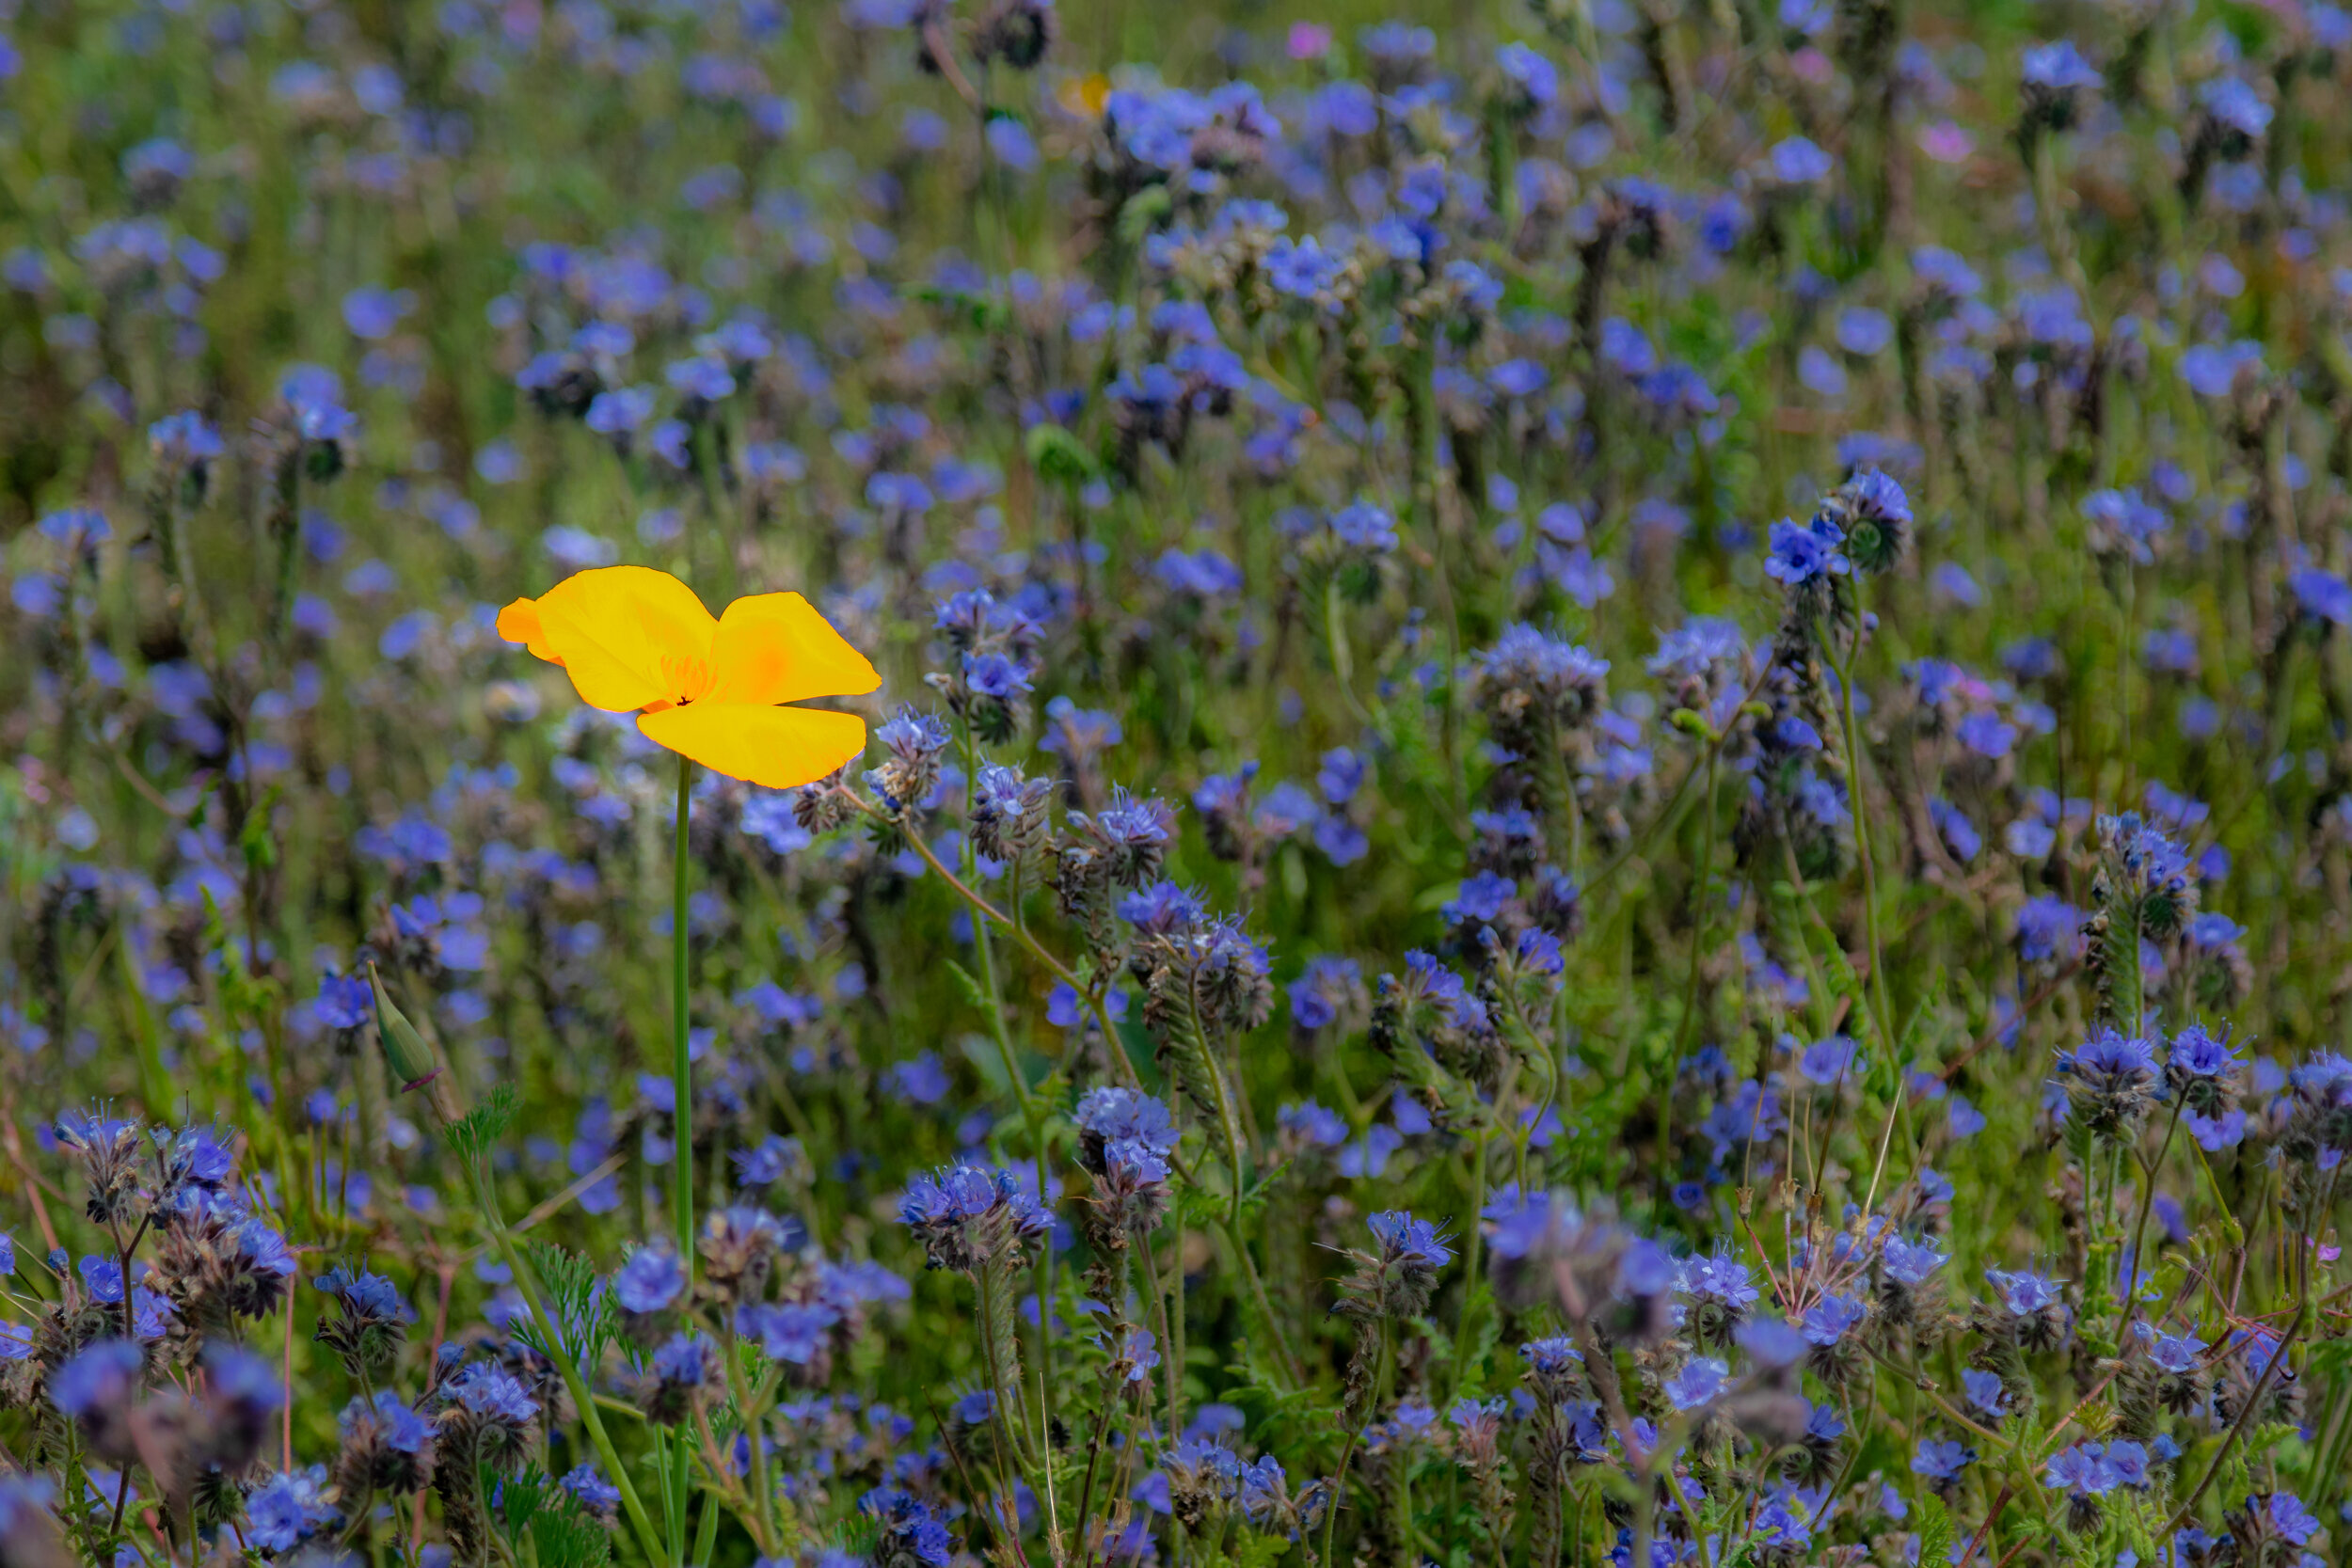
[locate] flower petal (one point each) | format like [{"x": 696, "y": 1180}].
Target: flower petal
[
  {"x": 629, "y": 636},
  {"x": 519, "y": 623},
  {"x": 773, "y": 747},
  {"x": 776, "y": 648}
]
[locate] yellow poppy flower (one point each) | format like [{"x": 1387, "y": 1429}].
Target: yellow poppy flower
[
  {"x": 1084, "y": 97},
  {"x": 635, "y": 640}
]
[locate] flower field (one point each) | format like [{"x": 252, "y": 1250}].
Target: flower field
[{"x": 933, "y": 781}]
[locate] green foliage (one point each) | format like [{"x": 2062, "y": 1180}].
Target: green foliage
[
  {"x": 968, "y": 986},
  {"x": 474, "y": 1135},
  {"x": 576, "y": 1299},
  {"x": 540, "y": 1517},
  {"x": 1477, "y": 1373},
  {"x": 1057, "y": 455},
  {"x": 257, "y": 839},
  {"x": 1142, "y": 213},
  {"x": 246, "y": 995},
  {"x": 1256, "y": 1549},
  {"x": 1934, "y": 1522}
]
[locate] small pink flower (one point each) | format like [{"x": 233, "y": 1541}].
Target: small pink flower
[
  {"x": 1946, "y": 142},
  {"x": 1310, "y": 40}
]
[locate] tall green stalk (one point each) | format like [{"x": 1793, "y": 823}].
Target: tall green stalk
[
  {"x": 1881, "y": 1008},
  {"x": 1701, "y": 906},
  {"x": 681, "y": 1067},
  {"x": 681, "y": 1114}
]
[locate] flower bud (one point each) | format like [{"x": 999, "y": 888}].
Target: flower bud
[{"x": 411, "y": 1060}]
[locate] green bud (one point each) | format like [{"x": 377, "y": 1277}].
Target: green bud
[{"x": 404, "y": 1050}]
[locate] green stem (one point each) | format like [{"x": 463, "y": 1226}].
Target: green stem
[
  {"x": 1882, "y": 1012},
  {"x": 2253, "y": 1403},
  {"x": 1264, "y": 1303},
  {"x": 1879, "y": 1003},
  {"x": 1343, "y": 655},
  {"x": 706, "y": 1532},
  {"x": 1529, "y": 1049},
  {"x": 1701, "y": 903},
  {"x": 682, "y": 1109},
  {"x": 1468, "y": 1320},
  {"x": 1348, "y": 1452},
  {"x": 2140, "y": 1227},
  {"x": 987, "y": 910},
  {"x": 1421, "y": 403},
  {"x": 750, "y": 1416},
  {"x": 1170, "y": 1359},
  {"x": 2328, "y": 1468},
  {"x": 1229, "y": 1126},
  {"x": 1671, "y": 811},
  {"x": 1094, "y": 1459},
  {"x": 994, "y": 1297},
  {"x": 1561, "y": 807},
  {"x": 1032, "y": 1116},
  {"x": 681, "y": 1067},
  {"x": 2123, "y": 665}
]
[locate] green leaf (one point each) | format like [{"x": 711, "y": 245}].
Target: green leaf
[
  {"x": 1935, "y": 1529},
  {"x": 475, "y": 1134},
  {"x": 563, "y": 1533},
  {"x": 241, "y": 991},
  {"x": 1927, "y": 1022},
  {"x": 257, "y": 839},
  {"x": 1255, "y": 1549},
  {"x": 582, "y": 1312},
  {"x": 520, "y": 1498},
  {"x": 970, "y": 986},
  {"x": 1256, "y": 1191},
  {"x": 1485, "y": 1332},
  {"x": 203, "y": 807},
  {"x": 2326, "y": 1361},
  {"x": 987, "y": 1061},
  {"x": 1200, "y": 1207}
]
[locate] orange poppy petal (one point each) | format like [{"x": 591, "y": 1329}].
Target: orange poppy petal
[
  {"x": 777, "y": 747},
  {"x": 519, "y": 623},
  {"x": 629, "y": 636},
  {"x": 775, "y": 648}
]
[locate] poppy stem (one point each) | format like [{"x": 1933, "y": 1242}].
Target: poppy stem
[
  {"x": 681, "y": 1067},
  {"x": 682, "y": 1099}
]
